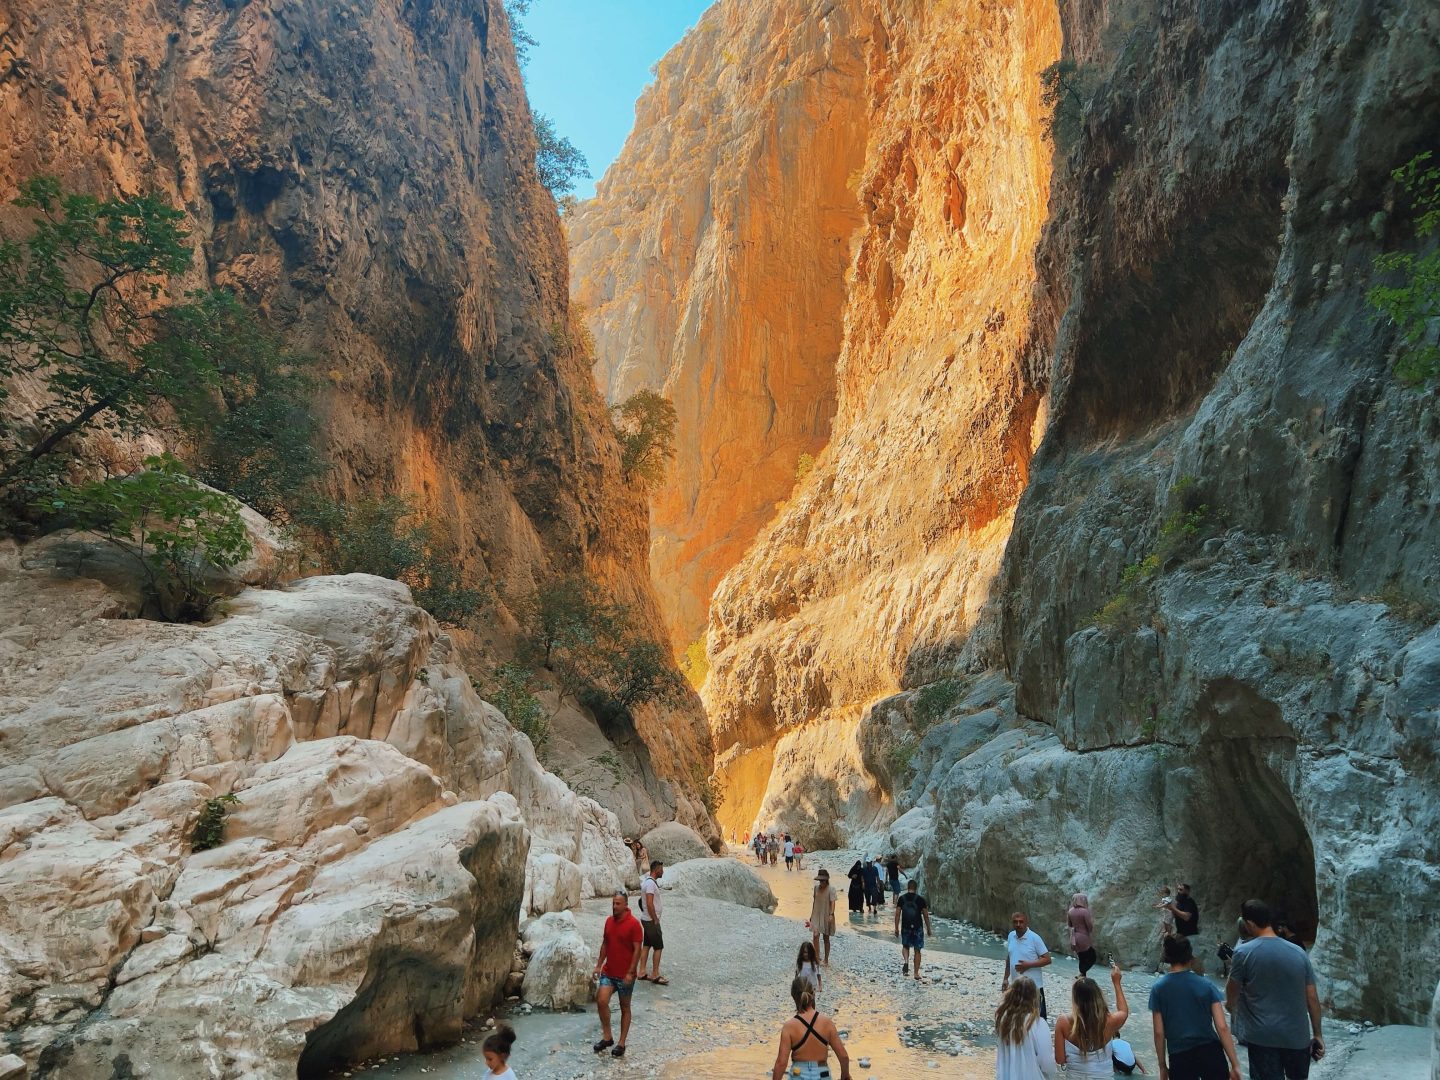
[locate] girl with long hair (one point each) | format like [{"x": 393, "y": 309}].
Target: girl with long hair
[
  {"x": 1022, "y": 1050},
  {"x": 807, "y": 967},
  {"x": 1082, "y": 1039}
]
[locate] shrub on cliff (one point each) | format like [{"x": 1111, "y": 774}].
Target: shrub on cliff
[
  {"x": 390, "y": 538},
  {"x": 602, "y": 657},
  {"x": 177, "y": 531},
  {"x": 511, "y": 690},
  {"x": 1412, "y": 300},
  {"x": 694, "y": 664},
  {"x": 645, "y": 427},
  {"x": 557, "y": 160},
  {"x": 87, "y": 318}
]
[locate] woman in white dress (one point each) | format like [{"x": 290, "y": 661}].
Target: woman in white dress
[
  {"x": 1022, "y": 1050},
  {"x": 1082, "y": 1039}
]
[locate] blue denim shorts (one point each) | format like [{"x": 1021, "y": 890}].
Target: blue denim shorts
[
  {"x": 912, "y": 939},
  {"x": 626, "y": 989}
]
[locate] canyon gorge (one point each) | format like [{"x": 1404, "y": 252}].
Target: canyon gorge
[
  {"x": 1045, "y": 503},
  {"x": 1118, "y": 554}
]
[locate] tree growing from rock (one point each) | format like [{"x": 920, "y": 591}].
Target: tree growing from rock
[
  {"x": 88, "y": 318},
  {"x": 645, "y": 427},
  {"x": 1411, "y": 299},
  {"x": 558, "y": 161}
]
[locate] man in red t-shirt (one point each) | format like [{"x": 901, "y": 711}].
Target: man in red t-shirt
[{"x": 615, "y": 970}]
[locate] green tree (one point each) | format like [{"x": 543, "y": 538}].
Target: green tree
[
  {"x": 86, "y": 308},
  {"x": 645, "y": 427},
  {"x": 178, "y": 531},
  {"x": 557, "y": 159},
  {"x": 694, "y": 664},
  {"x": 1412, "y": 302},
  {"x": 511, "y": 689},
  {"x": 523, "y": 39},
  {"x": 389, "y": 538},
  {"x": 1064, "y": 86}
]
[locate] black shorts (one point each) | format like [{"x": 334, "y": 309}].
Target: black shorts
[
  {"x": 1204, "y": 1062},
  {"x": 653, "y": 938},
  {"x": 1278, "y": 1063}
]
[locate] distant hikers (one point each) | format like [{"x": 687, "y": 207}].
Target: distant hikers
[
  {"x": 1271, "y": 994},
  {"x": 637, "y": 850},
  {"x": 855, "y": 894},
  {"x": 1082, "y": 1039},
  {"x": 806, "y": 1040},
  {"x": 654, "y": 940},
  {"x": 772, "y": 848},
  {"x": 1023, "y": 1050},
  {"x": 615, "y": 971},
  {"x": 1082, "y": 931},
  {"x": 799, "y": 855},
  {"x": 1185, "y": 912},
  {"x": 807, "y": 967},
  {"x": 1025, "y": 954},
  {"x": 759, "y": 845},
  {"x": 912, "y": 923},
  {"x": 496, "y": 1049},
  {"x": 822, "y": 913},
  {"x": 892, "y": 875},
  {"x": 874, "y": 894},
  {"x": 789, "y": 852},
  {"x": 1192, "y": 1038}
]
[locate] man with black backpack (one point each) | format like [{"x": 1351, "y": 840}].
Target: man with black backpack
[{"x": 912, "y": 923}]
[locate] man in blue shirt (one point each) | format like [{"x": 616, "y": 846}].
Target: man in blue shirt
[
  {"x": 1189, "y": 1021},
  {"x": 1271, "y": 994}
]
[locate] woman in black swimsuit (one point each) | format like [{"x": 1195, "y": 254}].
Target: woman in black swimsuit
[{"x": 807, "y": 1038}]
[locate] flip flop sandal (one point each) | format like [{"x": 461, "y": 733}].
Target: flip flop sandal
[
  {"x": 642, "y": 978},
  {"x": 661, "y": 981},
  {"x": 603, "y": 1045}
]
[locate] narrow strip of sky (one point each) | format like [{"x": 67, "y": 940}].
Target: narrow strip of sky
[{"x": 592, "y": 61}]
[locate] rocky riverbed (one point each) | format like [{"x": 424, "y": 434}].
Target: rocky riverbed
[{"x": 730, "y": 968}]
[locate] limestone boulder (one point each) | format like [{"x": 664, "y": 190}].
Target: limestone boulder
[
  {"x": 557, "y": 974},
  {"x": 673, "y": 843},
  {"x": 552, "y": 884},
  {"x": 719, "y": 879}
]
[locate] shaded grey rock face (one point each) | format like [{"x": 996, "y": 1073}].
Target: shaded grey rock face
[{"x": 1260, "y": 713}]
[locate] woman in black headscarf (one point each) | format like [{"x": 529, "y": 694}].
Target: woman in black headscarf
[{"x": 857, "y": 887}]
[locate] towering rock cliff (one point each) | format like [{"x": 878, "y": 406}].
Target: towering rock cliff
[
  {"x": 711, "y": 264},
  {"x": 363, "y": 173},
  {"x": 1130, "y": 509}
]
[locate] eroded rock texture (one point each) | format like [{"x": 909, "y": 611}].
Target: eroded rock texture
[
  {"x": 363, "y": 173},
  {"x": 881, "y": 562},
  {"x": 711, "y": 264},
  {"x": 1184, "y": 367},
  {"x": 389, "y": 829}
]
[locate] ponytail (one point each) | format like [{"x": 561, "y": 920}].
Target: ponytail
[{"x": 803, "y": 993}]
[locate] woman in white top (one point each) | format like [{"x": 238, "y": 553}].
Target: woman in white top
[
  {"x": 1082, "y": 1039},
  {"x": 1022, "y": 1050}
]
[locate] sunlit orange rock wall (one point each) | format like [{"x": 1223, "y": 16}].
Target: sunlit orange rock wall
[
  {"x": 362, "y": 172},
  {"x": 712, "y": 264},
  {"x": 880, "y": 565}
]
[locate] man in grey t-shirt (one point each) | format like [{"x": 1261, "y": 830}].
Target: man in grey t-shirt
[{"x": 1271, "y": 997}]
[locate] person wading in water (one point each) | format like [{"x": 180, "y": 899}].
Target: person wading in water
[
  {"x": 822, "y": 914},
  {"x": 807, "y": 1039}
]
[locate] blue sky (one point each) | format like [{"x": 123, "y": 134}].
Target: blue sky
[{"x": 593, "y": 60}]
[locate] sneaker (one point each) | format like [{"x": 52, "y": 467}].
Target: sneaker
[
  {"x": 619, "y": 1051},
  {"x": 603, "y": 1045}
]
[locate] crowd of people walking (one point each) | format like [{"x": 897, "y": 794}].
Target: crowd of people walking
[{"x": 1268, "y": 1005}]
